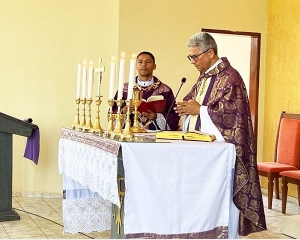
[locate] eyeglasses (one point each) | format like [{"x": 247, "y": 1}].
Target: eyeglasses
[{"x": 196, "y": 56}]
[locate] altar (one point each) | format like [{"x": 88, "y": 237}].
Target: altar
[{"x": 174, "y": 189}]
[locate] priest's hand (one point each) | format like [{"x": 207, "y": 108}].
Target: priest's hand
[
  {"x": 124, "y": 110},
  {"x": 150, "y": 115},
  {"x": 191, "y": 107}
]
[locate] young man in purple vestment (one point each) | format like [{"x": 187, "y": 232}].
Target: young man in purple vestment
[
  {"x": 218, "y": 103},
  {"x": 151, "y": 85}
]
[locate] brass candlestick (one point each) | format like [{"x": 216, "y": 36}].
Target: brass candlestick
[
  {"x": 137, "y": 99},
  {"x": 82, "y": 121},
  {"x": 110, "y": 125},
  {"x": 118, "y": 127},
  {"x": 88, "y": 125},
  {"x": 127, "y": 132},
  {"x": 76, "y": 122},
  {"x": 97, "y": 127}
]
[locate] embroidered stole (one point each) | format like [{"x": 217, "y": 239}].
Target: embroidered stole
[{"x": 202, "y": 89}]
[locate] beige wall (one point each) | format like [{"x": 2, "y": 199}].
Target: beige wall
[
  {"x": 282, "y": 70},
  {"x": 42, "y": 41}
]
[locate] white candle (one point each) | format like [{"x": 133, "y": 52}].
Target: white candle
[
  {"x": 131, "y": 77},
  {"x": 90, "y": 82},
  {"x": 78, "y": 81},
  {"x": 99, "y": 77},
  {"x": 83, "y": 80},
  {"x": 112, "y": 78},
  {"x": 121, "y": 77}
]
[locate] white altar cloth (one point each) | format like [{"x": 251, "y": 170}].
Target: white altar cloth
[
  {"x": 89, "y": 167},
  {"x": 178, "y": 189}
]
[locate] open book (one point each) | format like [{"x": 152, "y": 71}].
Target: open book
[
  {"x": 179, "y": 135},
  {"x": 155, "y": 103}
]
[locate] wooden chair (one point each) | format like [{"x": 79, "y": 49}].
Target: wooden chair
[
  {"x": 292, "y": 176},
  {"x": 286, "y": 155}
]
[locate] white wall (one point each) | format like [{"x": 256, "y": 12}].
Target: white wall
[{"x": 237, "y": 50}]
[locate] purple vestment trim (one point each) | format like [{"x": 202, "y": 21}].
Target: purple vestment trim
[
  {"x": 216, "y": 233},
  {"x": 32, "y": 150}
]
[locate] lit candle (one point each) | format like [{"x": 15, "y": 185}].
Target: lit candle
[
  {"x": 131, "y": 77},
  {"x": 83, "y": 79},
  {"x": 121, "y": 77},
  {"x": 78, "y": 81},
  {"x": 112, "y": 78},
  {"x": 99, "y": 77},
  {"x": 91, "y": 78}
]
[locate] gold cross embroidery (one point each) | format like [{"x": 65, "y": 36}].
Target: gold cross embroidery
[{"x": 199, "y": 98}]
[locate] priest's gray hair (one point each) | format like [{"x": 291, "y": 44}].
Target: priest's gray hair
[{"x": 203, "y": 41}]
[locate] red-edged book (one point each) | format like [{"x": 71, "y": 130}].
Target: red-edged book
[{"x": 155, "y": 103}]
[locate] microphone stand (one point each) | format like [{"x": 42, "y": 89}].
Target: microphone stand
[{"x": 182, "y": 82}]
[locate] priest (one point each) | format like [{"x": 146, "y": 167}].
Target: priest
[
  {"x": 218, "y": 103},
  {"x": 150, "y": 85}
]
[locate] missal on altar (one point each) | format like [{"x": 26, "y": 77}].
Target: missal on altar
[
  {"x": 190, "y": 135},
  {"x": 155, "y": 103}
]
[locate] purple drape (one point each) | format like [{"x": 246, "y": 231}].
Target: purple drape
[{"x": 32, "y": 150}]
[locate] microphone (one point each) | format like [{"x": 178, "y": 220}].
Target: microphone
[
  {"x": 183, "y": 80},
  {"x": 28, "y": 120}
]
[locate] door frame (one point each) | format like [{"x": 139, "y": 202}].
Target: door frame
[{"x": 254, "y": 72}]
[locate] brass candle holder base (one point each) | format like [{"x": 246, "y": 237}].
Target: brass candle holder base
[
  {"x": 138, "y": 129},
  {"x": 110, "y": 126},
  {"x": 83, "y": 120},
  {"x": 127, "y": 134},
  {"x": 118, "y": 119},
  {"x": 97, "y": 127},
  {"x": 137, "y": 100},
  {"x": 116, "y": 133},
  {"x": 88, "y": 125},
  {"x": 75, "y": 124}
]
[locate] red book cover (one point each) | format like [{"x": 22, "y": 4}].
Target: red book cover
[{"x": 154, "y": 103}]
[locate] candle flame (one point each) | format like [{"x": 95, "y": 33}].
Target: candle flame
[
  {"x": 84, "y": 61},
  {"x": 91, "y": 63},
  {"x": 123, "y": 54},
  {"x": 113, "y": 58},
  {"x": 133, "y": 56}
]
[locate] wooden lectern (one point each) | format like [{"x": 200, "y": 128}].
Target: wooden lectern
[{"x": 9, "y": 126}]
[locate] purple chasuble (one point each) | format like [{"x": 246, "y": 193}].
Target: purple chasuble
[
  {"x": 228, "y": 107},
  {"x": 157, "y": 88}
]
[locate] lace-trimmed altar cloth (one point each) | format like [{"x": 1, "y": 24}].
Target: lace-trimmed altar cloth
[
  {"x": 89, "y": 167},
  {"x": 184, "y": 190}
]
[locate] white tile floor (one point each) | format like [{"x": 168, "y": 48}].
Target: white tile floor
[{"x": 42, "y": 218}]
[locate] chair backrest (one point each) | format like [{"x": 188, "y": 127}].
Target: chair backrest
[{"x": 288, "y": 140}]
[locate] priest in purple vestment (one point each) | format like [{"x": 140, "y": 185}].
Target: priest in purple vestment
[
  {"x": 151, "y": 85},
  {"x": 220, "y": 96}
]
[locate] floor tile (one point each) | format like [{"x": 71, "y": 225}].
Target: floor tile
[
  {"x": 3, "y": 234},
  {"x": 42, "y": 218},
  {"x": 33, "y": 233}
]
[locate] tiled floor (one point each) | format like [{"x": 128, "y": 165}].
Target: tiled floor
[{"x": 41, "y": 218}]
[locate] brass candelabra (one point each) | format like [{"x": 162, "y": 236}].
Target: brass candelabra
[
  {"x": 88, "y": 124},
  {"x": 97, "y": 126},
  {"x": 82, "y": 121},
  {"x": 76, "y": 122},
  {"x": 110, "y": 125},
  {"x": 137, "y": 99},
  {"x": 127, "y": 134},
  {"x": 116, "y": 133}
]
